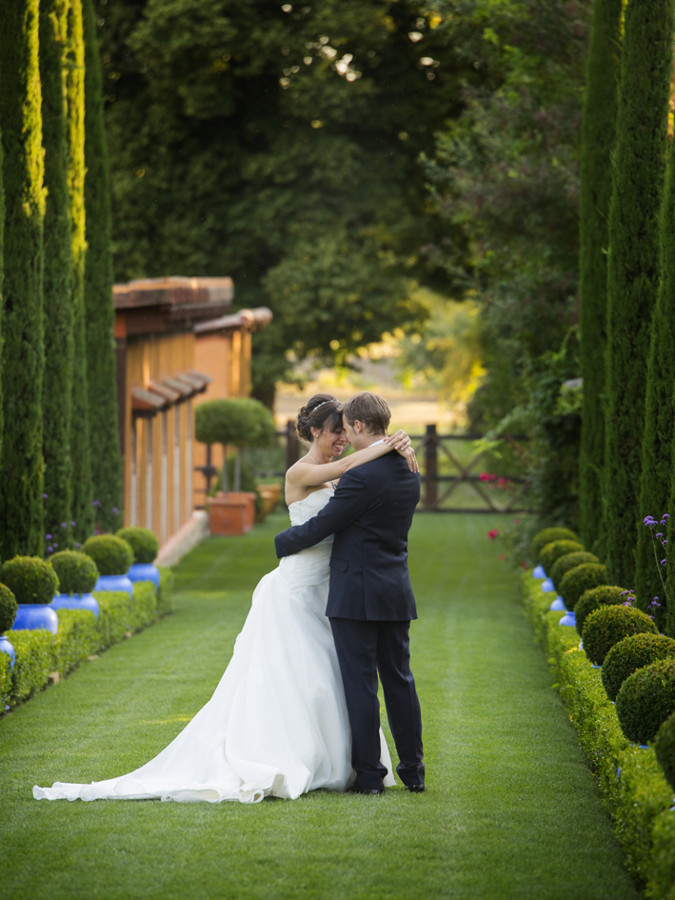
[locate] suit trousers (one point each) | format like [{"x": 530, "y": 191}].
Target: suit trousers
[{"x": 364, "y": 649}]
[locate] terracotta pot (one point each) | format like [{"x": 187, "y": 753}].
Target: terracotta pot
[
  {"x": 233, "y": 513},
  {"x": 270, "y": 494}
]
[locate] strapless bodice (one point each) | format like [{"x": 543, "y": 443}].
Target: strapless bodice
[
  {"x": 302, "y": 510},
  {"x": 309, "y": 566}
]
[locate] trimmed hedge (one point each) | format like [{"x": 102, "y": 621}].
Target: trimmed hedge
[
  {"x": 113, "y": 617},
  {"x": 80, "y": 634},
  {"x": 75, "y": 639},
  {"x": 608, "y": 625},
  {"x": 646, "y": 699},
  {"x": 563, "y": 564},
  {"x": 32, "y": 665},
  {"x": 630, "y": 779},
  {"x": 594, "y": 598},
  {"x": 664, "y": 747},
  {"x": 553, "y": 551},
  {"x": 546, "y": 536},
  {"x": 5, "y": 681},
  {"x": 581, "y": 579},
  {"x": 632, "y": 653},
  {"x": 143, "y": 609},
  {"x": 165, "y": 591}
]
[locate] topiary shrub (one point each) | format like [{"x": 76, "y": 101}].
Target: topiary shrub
[
  {"x": 553, "y": 551},
  {"x": 633, "y": 653},
  {"x": 603, "y": 595},
  {"x": 142, "y": 541},
  {"x": 30, "y": 579},
  {"x": 664, "y": 747},
  {"x": 246, "y": 482},
  {"x": 8, "y": 608},
  {"x": 546, "y": 536},
  {"x": 608, "y": 625},
  {"x": 77, "y": 572},
  {"x": 563, "y": 564},
  {"x": 581, "y": 579},
  {"x": 646, "y": 699},
  {"x": 234, "y": 422},
  {"x": 112, "y": 555}
]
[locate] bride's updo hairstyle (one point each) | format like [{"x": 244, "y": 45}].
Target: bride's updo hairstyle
[{"x": 321, "y": 411}]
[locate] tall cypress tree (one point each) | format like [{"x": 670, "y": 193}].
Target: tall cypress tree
[
  {"x": 633, "y": 266},
  {"x": 21, "y": 373},
  {"x": 58, "y": 275},
  {"x": 100, "y": 315},
  {"x": 83, "y": 514},
  {"x": 597, "y": 140},
  {"x": 2, "y": 266},
  {"x": 657, "y": 442}
]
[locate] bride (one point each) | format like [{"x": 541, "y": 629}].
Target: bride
[{"x": 277, "y": 723}]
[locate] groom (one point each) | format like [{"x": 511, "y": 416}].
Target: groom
[{"x": 370, "y": 600}]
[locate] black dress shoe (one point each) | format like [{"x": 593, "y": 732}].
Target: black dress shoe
[
  {"x": 415, "y": 788},
  {"x": 359, "y": 789}
]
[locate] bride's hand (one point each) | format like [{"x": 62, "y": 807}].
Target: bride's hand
[{"x": 400, "y": 441}]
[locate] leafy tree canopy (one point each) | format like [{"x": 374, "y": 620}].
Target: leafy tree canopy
[
  {"x": 279, "y": 144},
  {"x": 505, "y": 174}
]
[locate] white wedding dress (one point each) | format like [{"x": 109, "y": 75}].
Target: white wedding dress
[{"x": 277, "y": 724}]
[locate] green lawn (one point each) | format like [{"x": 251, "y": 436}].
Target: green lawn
[{"x": 511, "y": 809}]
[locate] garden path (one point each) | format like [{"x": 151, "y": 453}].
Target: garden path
[{"x": 511, "y": 809}]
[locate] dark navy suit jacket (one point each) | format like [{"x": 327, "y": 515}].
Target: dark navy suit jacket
[{"x": 370, "y": 515}]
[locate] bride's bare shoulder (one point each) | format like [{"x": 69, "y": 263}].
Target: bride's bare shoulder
[{"x": 296, "y": 493}]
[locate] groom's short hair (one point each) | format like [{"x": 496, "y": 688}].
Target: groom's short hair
[{"x": 370, "y": 409}]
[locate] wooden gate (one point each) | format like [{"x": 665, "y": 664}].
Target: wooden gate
[
  {"x": 450, "y": 467},
  {"x": 452, "y": 480}
]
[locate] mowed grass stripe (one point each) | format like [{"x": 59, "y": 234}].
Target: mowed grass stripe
[{"x": 511, "y": 810}]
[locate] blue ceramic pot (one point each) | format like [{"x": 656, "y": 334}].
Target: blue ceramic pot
[
  {"x": 75, "y": 601},
  {"x": 557, "y": 605},
  {"x": 114, "y": 583},
  {"x": 6, "y": 647},
  {"x": 547, "y": 586},
  {"x": 538, "y": 572},
  {"x": 144, "y": 572},
  {"x": 568, "y": 619},
  {"x": 36, "y": 615}
]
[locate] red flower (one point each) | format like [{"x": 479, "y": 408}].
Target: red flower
[{"x": 492, "y": 534}]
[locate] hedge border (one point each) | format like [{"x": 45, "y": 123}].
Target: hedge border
[
  {"x": 80, "y": 635},
  {"x": 632, "y": 784}
]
